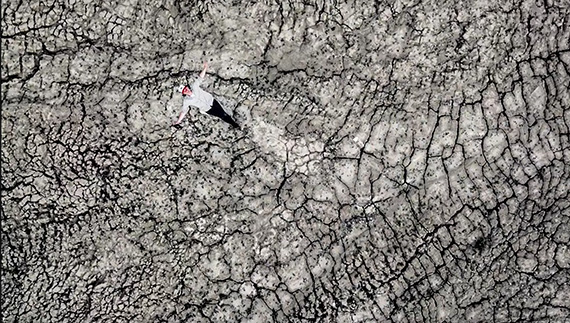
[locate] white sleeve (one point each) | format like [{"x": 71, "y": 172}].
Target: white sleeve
[
  {"x": 197, "y": 83},
  {"x": 185, "y": 106}
]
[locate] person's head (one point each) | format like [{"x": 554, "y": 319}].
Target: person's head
[{"x": 184, "y": 90}]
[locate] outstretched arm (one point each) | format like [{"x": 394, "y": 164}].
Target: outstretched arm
[
  {"x": 203, "y": 74},
  {"x": 180, "y": 118},
  {"x": 183, "y": 112},
  {"x": 200, "y": 77}
]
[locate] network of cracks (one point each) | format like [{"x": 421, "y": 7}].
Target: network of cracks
[{"x": 399, "y": 161}]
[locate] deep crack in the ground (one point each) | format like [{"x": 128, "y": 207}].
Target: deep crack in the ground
[{"x": 401, "y": 161}]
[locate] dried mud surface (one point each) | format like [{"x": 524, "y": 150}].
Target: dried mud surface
[{"x": 400, "y": 161}]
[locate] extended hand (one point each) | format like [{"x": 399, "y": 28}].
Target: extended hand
[{"x": 203, "y": 74}]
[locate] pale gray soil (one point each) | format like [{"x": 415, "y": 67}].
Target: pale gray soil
[{"x": 400, "y": 161}]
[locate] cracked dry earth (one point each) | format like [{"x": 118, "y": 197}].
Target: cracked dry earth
[{"x": 400, "y": 161}]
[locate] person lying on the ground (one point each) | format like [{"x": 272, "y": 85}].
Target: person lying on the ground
[{"x": 203, "y": 100}]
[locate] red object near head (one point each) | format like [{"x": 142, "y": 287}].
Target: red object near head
[{"x": 186, "y": 91}]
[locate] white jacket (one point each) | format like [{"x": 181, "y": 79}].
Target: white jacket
[{"x": 199, "y": 98}]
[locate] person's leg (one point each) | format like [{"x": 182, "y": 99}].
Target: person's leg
[{"x": 219, "y": 112}]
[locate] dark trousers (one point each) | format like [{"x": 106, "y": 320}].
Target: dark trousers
[{"x": 219, "y": 112}]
